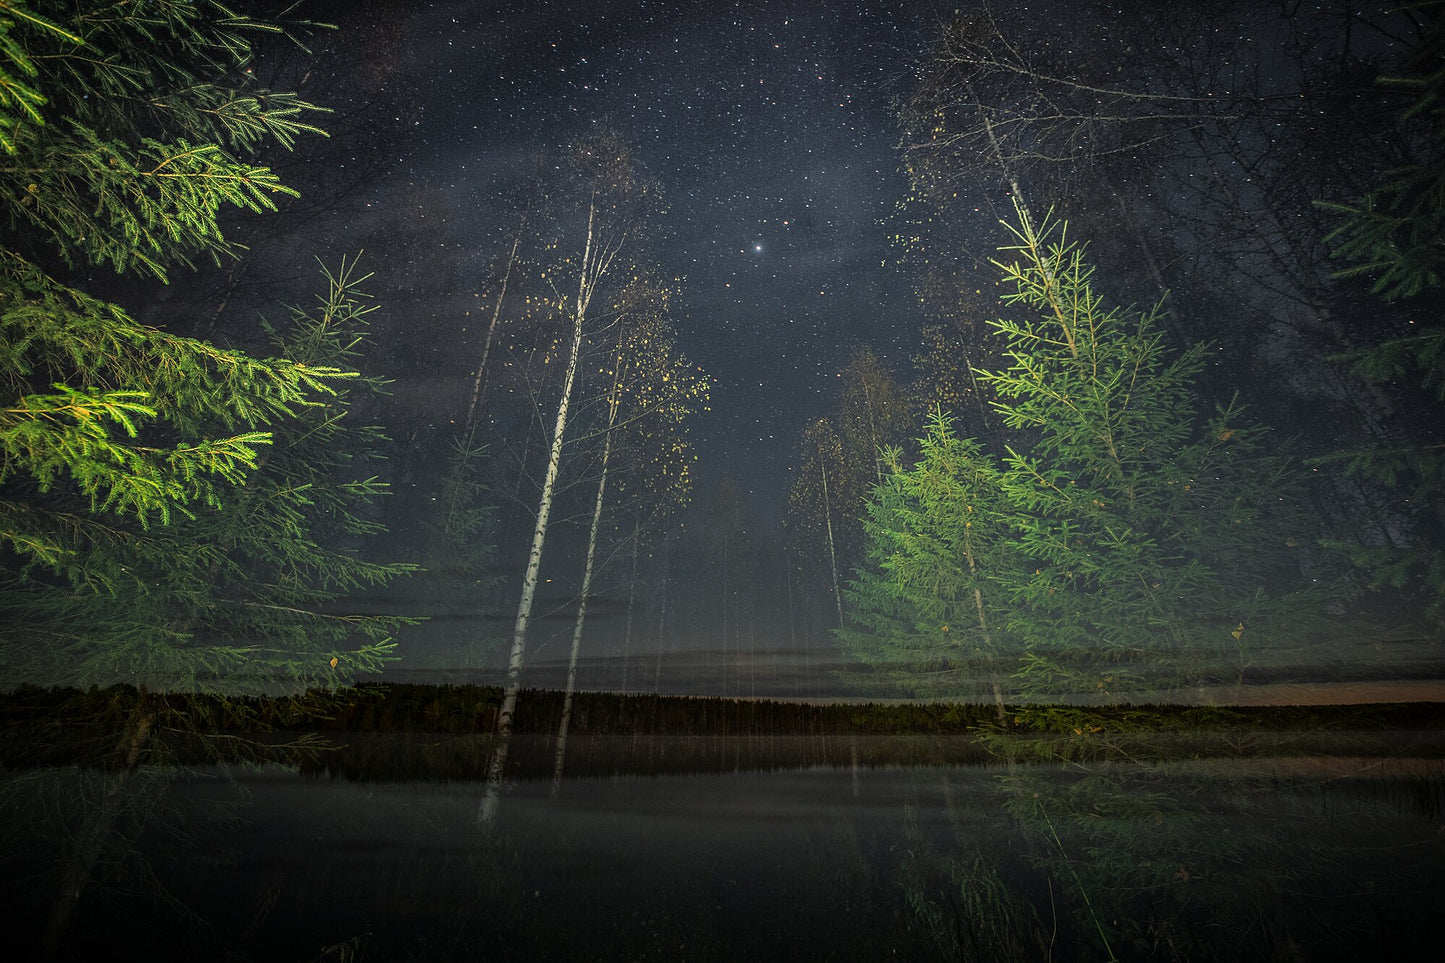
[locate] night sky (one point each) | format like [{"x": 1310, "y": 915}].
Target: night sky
[{"x": 769, "y": 128}]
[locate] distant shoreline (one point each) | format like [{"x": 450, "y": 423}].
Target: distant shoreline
[{"x": 1314, "y": 694}]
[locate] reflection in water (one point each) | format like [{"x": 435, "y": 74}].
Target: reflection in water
[
  {"x": 1268, "y": 858},
  {"x": 1271, "y": 859}
]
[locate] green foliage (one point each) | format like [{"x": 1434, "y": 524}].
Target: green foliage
[
  {"x": 467, "y": 516},
  {"x": 172, "y": 513},
  {"x": 234, "y": 592},
  {"x": 90, "y": 437},
  {"x": 1132, "y": 543},
  {"x": 920, "y": 614},
  {"x": 1141, "y": 861},
  {"x": 128, "y": 132},
  {"x": 968, "y": 911},
  {"x": 136, "y": 205},
  {"x": 20, "y": 102},
  {"x": 1162, "y": 544}
]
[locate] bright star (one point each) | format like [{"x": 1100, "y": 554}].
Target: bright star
[{"x": 757, "y": 249}]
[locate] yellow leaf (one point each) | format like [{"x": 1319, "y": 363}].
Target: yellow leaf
[
  {"x": 334, "y": 660},
  {"x": 1238, "y": 630}
]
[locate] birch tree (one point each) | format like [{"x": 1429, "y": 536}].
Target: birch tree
[
  {"x": 841, "y": 462},
  {"x": 607, "y": 201},
  {"x": 814, "y": 499},
  {"x": 872, "y": 415},
  {"x": 647, "y": 384},
  {"x": 656, "y": 485}
]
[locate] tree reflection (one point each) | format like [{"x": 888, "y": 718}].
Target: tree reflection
[{"x": 1111, "y": 852}]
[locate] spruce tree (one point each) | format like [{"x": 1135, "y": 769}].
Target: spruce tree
[
  {"x": 1163, "y": 546},
  {"x": 129, "y": 129},
  {"x": 923, "y": 615},
  {"x": 172, "y": 513},
  {"x": 1132, "y": 542},
  {"x": 207, "y": 566}
]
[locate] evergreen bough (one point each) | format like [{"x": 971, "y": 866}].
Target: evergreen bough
[
  {"x": 126, "y": 129},
  {"x": 174, "y": 514}
]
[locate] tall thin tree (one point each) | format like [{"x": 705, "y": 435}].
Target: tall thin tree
[{"x": 610, "y": 199}]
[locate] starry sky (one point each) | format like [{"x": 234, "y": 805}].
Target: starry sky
[{"x": 769, "y": 128}]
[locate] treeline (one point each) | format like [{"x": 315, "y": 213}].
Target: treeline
[
  {"x": 466, "y": 709},
  {"x": 422, "y": 733},
  {"x": 409, "y": 758},
  {"x": 471, "y": 710}
]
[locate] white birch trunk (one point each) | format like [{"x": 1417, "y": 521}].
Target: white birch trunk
[
  {"x": 470, "y": 423},
  {"x": 586, "y": 586},
  {"x": 487, "y": 814}
]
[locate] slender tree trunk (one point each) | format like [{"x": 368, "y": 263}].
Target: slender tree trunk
[
  {"x": 788, "y": 581},
  {"x": 631, "y": 600},
  {"x": 752, "y": 659},
  {"x": 1003, "y": 166},
  {"x": 983, "y": 628},
  {"x": 723, "y": 637},
  {"x": 832, "y": 550},
  {"x": 661, "y": 625},
  {"x": 586, "y": 586},
  {"x": 873, "y": 432},
  {"x": 793, "y": 645},
  {"x": 522, "y": 456},
  {"x": 987, "y": 419},
  {"x": 1172, "y": 321},
  {"x": 487, "y": 814},
  {"x": 479, "y": 380}
]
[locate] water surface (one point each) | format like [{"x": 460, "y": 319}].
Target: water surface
[{"x": 1291, "y": 857}]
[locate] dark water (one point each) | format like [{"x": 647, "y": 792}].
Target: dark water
[{"x": 1305, "y": 858}]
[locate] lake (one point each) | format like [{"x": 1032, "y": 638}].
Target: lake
[{"x": 1287, "y": 857}]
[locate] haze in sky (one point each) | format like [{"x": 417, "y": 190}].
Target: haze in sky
[{"x": 769, "y": 129}]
